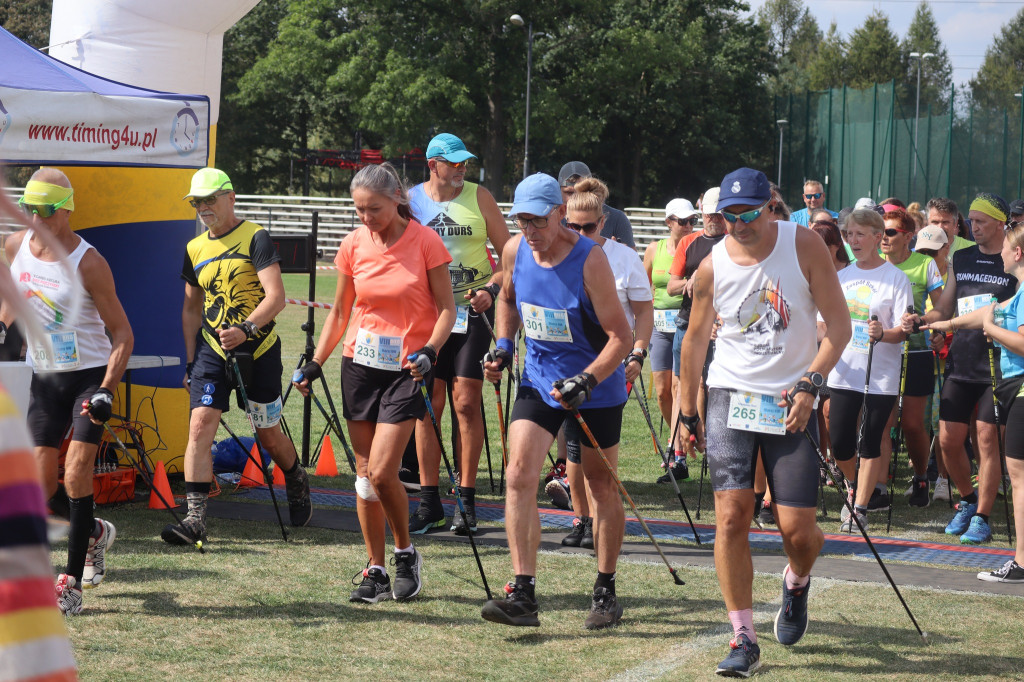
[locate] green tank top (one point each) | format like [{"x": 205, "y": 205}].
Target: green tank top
[{"x": 659, "y": 278}]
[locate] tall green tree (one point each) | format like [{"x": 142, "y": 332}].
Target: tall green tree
[
  {"x": 28, "y": 20},
  {"x": 829, "y": 67},
  {"x": 874, "y": 54},
  {"x": 936, "y": 72},
  {"x": 794, "y": 38},
  {"x": 1001, "y": 75}
]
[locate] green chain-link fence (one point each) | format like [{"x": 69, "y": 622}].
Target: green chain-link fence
[{"x": 860, "y": 143}]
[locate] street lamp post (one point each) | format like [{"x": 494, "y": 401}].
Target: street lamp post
[
  {"x": 517, "y": 20},
  {"x": 781, "y": 123},
  {"x": 917, "y": 118}
]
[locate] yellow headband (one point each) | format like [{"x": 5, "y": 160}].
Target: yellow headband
[
  {"x": 984, "y": 205},
  {"x": 38, "y": 193}
]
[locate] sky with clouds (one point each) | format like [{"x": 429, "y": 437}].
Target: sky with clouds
[{"x": 967, "y": 27}]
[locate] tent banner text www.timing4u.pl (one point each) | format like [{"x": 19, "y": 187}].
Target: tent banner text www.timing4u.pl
[{"x": 88, "y": 128}]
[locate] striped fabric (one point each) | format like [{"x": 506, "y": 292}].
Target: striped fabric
[{"x": 34, "y": 643}]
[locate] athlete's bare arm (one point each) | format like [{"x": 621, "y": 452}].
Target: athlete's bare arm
[
  {"x": 694, "y": 349},
  {"x": 506, "y": 317},
  {"x": 98, "y": 280}
]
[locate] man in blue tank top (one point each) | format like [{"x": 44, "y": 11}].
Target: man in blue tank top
[
  {"x": 560, "y": 288},
  {"x": 767, "y": 281}
]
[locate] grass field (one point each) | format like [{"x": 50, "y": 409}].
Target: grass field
[{"x": 254, "y": 607}]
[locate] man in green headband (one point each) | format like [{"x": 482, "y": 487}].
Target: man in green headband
[
  {"x": 76, "y": 368},
  {"x": 974, "y": 277}
]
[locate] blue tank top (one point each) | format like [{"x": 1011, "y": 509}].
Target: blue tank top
[{"x": 562, "y": 332}]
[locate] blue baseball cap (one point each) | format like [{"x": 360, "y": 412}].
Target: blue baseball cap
[
  {"x": 537, "y": 195},
  {"x": 744, "y": 187},
  {"x": 448, "y": 147}
]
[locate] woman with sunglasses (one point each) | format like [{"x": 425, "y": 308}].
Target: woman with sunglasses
[
  {"x": 877, "y": 293},
  {"x": 680, "y": 218},
  {"x": 926, "y": 284},
  {"x": 584, "y": 215},
  {"x": 395, "y": 299},
  {"x": 1003, "y": 323}
]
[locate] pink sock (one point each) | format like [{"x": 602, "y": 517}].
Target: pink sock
[
  {"x": 794, "y": 581},
  {"x": 743, "y": 624}
]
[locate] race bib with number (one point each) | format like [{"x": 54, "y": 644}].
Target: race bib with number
[
  {"x": 968, "y": 304},
  {"x": 545, "y": 324},
  {"x": 381, "y": 352},
  {"x": 860, "y": 342},
  {"x": 65, "y": 353},
  {"x": 265, "y": 415},
  {"x": 756, "y": 412},
  {"x": 665, "y": 321},
  {"x": 461, "y": 320}
]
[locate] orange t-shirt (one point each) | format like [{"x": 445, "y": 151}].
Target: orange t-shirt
[{"x": 393, "y": 296}]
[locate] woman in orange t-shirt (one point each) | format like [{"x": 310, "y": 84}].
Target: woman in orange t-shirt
[{"x": 395, "y": 298}]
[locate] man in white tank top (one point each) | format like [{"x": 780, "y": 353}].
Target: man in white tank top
[
  {"x": 76, "y": 369},
  {"x": 767, "y": 281}
]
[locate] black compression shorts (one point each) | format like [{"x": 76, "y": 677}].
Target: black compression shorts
[
  {"x": 55, "y": 401},
  {"x": 920, "y": 380},
  {"x": 844, "y": 424},
  {"x": 461, "y": 354},
  {"x": 604, "y": 422},
  {"x": 959, "y": 398}
]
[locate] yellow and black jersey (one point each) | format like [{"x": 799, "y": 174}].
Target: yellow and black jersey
[{"x": 225, "y": 269}]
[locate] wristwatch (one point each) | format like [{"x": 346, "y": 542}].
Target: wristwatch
[
  {"x": 250, "y": 329},
  {"x": 811, "y": 382}
]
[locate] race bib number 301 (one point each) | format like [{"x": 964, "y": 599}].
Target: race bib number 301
[
  {"x": 381, "y": 352},
  {"x": 546, "y": 324},
  {"x": 756, "y": 412}
]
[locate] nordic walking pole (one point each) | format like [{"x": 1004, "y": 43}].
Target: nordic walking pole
[
  {"x": 1002, "y": 447},
  {"x": 451, "y": 477},
  {"x": 233, "y": 361},
  {"x": 622, "y": 489},
  {"x": 897, "y": 442},
  {"x": 487, "y": 443},
  {"x": 642, "y": 399},
  {"x": 149, "y": 481},
  {"x": 837, "y": 476}
]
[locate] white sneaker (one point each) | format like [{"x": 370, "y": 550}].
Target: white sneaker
[
  {"x": 69, "y": 595},
  {"x": 95, "y": 558},
  {"x": 941, "y": 491}
]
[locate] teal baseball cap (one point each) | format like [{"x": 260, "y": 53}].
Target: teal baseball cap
[{"x": 449, "y": 148}]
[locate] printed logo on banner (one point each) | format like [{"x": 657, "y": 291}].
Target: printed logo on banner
[
  {"x": 5, "y": 121},
  {"x": 185, "y": 131}
]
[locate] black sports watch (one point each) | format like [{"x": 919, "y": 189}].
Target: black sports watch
[
  {"x": 816, "y": 379},
  {"x": 811, "y": 382}
]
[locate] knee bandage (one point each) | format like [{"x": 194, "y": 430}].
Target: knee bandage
[{"x": 364, "y": 489}]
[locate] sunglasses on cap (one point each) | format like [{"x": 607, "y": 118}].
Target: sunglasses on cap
[
  {"x": 816, "y": 195},
  {"x": 892, "y": 232},
  {"x": 1013, "y": 225},
  {"x": 571, "y": 180},
  {"x": 458, "y": 165},
  {"x": 196, "y": 202},
  {"x": 746, "y": 216},
  {"x": 44, "y": 210}
]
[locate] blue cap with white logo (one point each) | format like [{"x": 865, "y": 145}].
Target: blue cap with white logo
[
  {"x": 744, "y": 187},
  {"x": 537, "y": 195},
  {"x": 449, "y": 148}
]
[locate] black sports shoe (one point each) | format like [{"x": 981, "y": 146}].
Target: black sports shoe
[
  {"x": 575, "y": 536},
  {"x": 879, "y": 500},
  {"x": 919, "y": 493},
  {"x": 791, "y": 620},
  {"x": 679, "y": 470},
  {"x": 458, "y": 525},
  {"x": 407, "y": 575},
  {"x": 743, "y": 660},
  {"x": 191, "y": 529},
  {"x": 605, "y": 610},
  {"x": 765, "y": 516},
  {"x": 424, "y": 520},
  {"x": 1011, "y": 572},
  {"x": 410, "y": 479},
  {"x": 517, "y": 608},
  {"x": 296, "y": 486},
  {"x": 587, "y": 541},
  {"x": 374, "y": 586}
]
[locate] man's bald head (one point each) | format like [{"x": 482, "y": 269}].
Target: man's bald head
[{"x": 54, "y": 176}]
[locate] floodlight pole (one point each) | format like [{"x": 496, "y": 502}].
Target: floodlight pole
[
  {"x": 517, "y": 20},
  {"x": 781, "y": 123},
  {"x": 917, "y": 118}
]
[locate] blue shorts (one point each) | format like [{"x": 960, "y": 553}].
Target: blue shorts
[
  {"x": 677, "y": 349},
  {"x": 662, "y": 356}
]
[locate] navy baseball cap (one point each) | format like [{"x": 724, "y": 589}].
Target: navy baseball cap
[
  {"x": 744, "y": 187},
  {"x": 448, "y": 147},
  {"x": 537, "y": 195}
]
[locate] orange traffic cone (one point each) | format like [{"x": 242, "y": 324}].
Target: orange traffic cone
[
  {"x": 162, "y": 486},
  {"x": 252, "y": 475},
  {"x": 278, "y": 475},
  {"x": 326, "y": 465}
]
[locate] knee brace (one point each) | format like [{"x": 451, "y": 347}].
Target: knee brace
[{"x": 364, "y": 489}]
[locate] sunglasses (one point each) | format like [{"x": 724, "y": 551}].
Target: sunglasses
[
  {"x": 746, "y": 217},
  {"x": 691, "y": 221},
  {"x": 196, "y": 202},
  {"x": 585, "y": 227},
  {"x": 892, "y": 232},
  {"x": 538, "y": 223},
  {"x": 458, "y": 165},
  {"x": 816, "y": 195},
  {"x": 44, "y": 210},
  {"x": 1013, "y": 225}
]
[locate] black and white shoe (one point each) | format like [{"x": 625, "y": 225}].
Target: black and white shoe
[
  {"x": 408, "y": 582},
  {"x": 296, "y": 486},
  {"x": 1010, "y": 572},
  {"x": 374, "y": 586},
  {"x": 605, "y": 610},
  {"x": 458, "y": 525},
  {"x": 190, "y": 530},
  {"x": 517, "y": 608}
]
